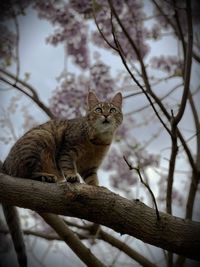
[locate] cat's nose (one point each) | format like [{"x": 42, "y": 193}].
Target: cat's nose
[{"x": 106, "y": 115}]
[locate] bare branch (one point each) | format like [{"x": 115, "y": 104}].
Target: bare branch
[
  {"x": 196, "y": 174},
  {"x": 113, "y": 241},
  {"x": 178, "y": 33},
  {"x": 174, "y": 151},
  {"x": 188, "y": 64},
  {"x": 24, "y": 88},
  {"x": 71, "y": 240}
]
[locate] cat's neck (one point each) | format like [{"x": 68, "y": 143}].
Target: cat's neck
[
  {"x": 99, "y": 137},
  {"x": 101, "y": 140}
]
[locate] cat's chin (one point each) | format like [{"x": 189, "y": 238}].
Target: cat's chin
[{"x": 106, "y": 128}]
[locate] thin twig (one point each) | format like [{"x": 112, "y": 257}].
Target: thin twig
[
  {"x": 26, "y": 89},
  {"x": 145, "y": 184},
  {"x": 149, "y": 105}
]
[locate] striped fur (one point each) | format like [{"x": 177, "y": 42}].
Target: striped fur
[{"x": 62, "y": 149}]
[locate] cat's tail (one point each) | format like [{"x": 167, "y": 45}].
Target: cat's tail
[{"x": 13, "y": 222}]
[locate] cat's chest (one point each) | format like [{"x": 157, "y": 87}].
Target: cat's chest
[{"x": 90, "y": 156}]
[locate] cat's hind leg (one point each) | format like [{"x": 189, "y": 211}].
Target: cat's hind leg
[{"x": 48, "y": 171}]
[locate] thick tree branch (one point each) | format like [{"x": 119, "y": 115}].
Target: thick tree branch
[{"x": 101, "y": 206}]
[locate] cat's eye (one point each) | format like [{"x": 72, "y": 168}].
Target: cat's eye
[
  {"x": 98, "y": 110},
  {"x": 113, "y": 110}
]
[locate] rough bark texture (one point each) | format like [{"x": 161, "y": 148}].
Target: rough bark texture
[{"x": 101, "y": 206}]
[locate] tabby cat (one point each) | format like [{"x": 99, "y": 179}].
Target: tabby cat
[{"x": 60, "y": 150}]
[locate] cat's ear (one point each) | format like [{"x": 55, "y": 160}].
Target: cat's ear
[
  {"x": 92, "y": 100},
  {"x": 117, "y": 100}
]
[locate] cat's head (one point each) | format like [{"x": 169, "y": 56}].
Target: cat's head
[{"x": 105, "y": 116}]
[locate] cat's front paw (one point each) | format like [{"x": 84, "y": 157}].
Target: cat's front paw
[
  {"x": 44, "y": 177},
  {"x": 72, "y": 179},
  {"x": 49, "y": 178}
]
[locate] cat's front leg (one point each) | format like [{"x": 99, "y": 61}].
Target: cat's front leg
[
  {"x": 70, "y": 175},
  {"x": 68, "y": 168}
]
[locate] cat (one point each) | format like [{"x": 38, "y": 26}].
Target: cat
[{"x": 62, "y": 150}]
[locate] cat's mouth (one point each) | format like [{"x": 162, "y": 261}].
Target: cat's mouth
[{"x": 106, "y": 121}]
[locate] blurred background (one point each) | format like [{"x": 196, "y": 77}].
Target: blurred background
[{"x": 54, "y": 52}]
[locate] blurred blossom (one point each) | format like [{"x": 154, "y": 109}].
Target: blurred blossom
[
  {"x": 128, "y": 19},
  {"x": 70, "y": 16},
  {"x": 122, "y": 177},
  {"x": 145, "y": 159},
  {"x": 8, "y": 41},
  {"x": 154, "y": 32},
  {"x": 82, "y": 7},
  {"x": 69, "y": 98},
  {"x": 169, "y": 64},
  {"x": 168, "y": 8},
  {"x": 101, "y": 79},
  {"x": 125, "y": 128},
  {"x": 72, "y": 30},
  {"x": 177, "y": 196}
]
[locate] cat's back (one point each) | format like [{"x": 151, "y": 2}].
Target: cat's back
[
  {"x": 27, "y": 150},
  {"x": 41, "y": 135}
]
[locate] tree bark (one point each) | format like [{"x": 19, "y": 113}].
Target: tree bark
[{"x": 101, "y": 206}]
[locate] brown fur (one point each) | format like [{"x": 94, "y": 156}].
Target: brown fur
[{"x": 62, "y": 149}]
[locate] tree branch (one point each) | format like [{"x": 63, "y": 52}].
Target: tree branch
[
  {"x": 177, "y": 32},
  {"x": 72, "y": 240},
  {"x": 101, "y": 206},
  {"x": 188, "y": 64},
  {"x": 25, "y": 88},
  {"x": 106, "y": 237}
]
